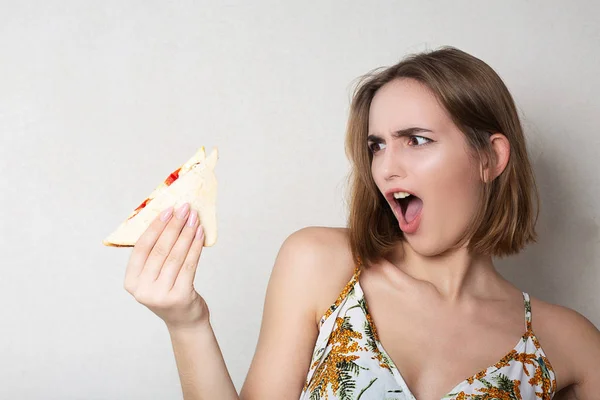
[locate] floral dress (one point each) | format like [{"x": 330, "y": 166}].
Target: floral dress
[{"x": 349, "y": 362}]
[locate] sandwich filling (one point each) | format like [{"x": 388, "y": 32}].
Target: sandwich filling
[
  {"x": 173, "y": 176},
  {"x": 193, "y": 182}
]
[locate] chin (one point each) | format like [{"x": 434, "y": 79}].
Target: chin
[
  {"x": 425, "y": 249},
  {"x": 427, "y": 246}
]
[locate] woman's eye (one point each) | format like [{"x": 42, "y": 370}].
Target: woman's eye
[
  {"x": 375, "y": 147},
  {"x": 422, "y": 141}
]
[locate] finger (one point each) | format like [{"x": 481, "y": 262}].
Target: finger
[
  {"x": 185, "y": 278},
  {"x": 144, "y": 245},
  {"x": 178, "y": 255},
  {"x": 163, "y": 246}
]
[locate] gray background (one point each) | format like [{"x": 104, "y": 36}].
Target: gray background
[{"x": 99, "y": 101}]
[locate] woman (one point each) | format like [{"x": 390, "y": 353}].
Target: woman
[{"x": 405, "y": 303}]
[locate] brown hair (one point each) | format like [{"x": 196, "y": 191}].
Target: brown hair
[{"x": 479, "y": 104}]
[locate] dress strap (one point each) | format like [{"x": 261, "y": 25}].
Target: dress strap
[
  {"x": 357, "y": 270},
  {"x": 527, "y": 311},
  {"x": 342, "y": 296}
]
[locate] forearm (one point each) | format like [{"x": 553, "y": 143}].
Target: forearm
[{"x": 202, "y": 370}]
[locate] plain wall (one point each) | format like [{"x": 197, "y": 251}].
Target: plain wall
[{"x": 99, "y": 101}]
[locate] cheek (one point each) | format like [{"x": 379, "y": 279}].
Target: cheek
[
  {"x": 376, "y": 174},
  {"x": 453, "y": 189}
]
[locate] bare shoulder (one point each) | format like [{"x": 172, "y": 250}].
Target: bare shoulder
[
  {"x": 571, "y": 342},
  {"x": 555, "y": 321},
  {"x": 312, "y": 266},
  {"x": 322, "y": 263}
]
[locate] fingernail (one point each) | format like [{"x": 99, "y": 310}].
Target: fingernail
[
  {"x": 166, "y": 214},
  {"x": 182, "y": 212},
  {"x": 199, "y": 232},
  {"x": 192, "y": 218}
]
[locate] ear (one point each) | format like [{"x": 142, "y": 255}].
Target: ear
[{"x": 491, "y": 169}]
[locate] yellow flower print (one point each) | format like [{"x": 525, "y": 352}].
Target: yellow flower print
[{"x": 343, "y": 345}]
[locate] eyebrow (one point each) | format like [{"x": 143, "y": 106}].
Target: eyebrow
[{"x": 399, "y": 133}]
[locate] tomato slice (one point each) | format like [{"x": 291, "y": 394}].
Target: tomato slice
[
  {"x": 173, "y": 177},
  {"x": 169, "y": 181}
]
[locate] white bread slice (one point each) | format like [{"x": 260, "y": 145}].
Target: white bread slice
[{"x": 196, "y": 185}]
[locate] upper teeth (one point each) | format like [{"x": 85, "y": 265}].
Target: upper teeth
[{"x": 401, "y": 195}]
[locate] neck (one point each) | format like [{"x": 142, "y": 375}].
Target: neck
[{"x": 453, "y": 273}]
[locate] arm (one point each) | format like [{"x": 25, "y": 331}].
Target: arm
[
  {"x": 289, "y": 329},
  {"x": 160, "y": 275},
  {"x": 580, "y": 342},
  {"x": 287, "y": 336},
  {"x": 202, "y": 370},
  {"x": 586, "y": 359}
]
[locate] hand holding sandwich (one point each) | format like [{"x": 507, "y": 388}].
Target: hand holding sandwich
[
  {"x": 166, "y": 247},
  {"x": 160, "y": 275},
  {"x": 161, "y": 270},
  {"x": 168, "y": 231}
]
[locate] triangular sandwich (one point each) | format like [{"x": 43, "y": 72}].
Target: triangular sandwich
[{"x": 193, "y": 182}]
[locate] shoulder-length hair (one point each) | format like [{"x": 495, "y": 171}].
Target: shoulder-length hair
[{"x": 479, "y": 104}]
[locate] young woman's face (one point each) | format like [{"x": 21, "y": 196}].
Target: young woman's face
[{"x": 428, "y": 158}]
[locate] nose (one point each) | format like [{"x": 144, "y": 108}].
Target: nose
[{"x": 392, "y": 164}]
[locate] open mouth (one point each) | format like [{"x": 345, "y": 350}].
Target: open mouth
[{"x": 410, "y": 206}]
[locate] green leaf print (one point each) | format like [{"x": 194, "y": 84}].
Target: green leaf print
[
  {"x": 316, "y": 393},
  {"x": 346, "y": 325},
  {"x": 347, "y": 383},
  {"x": 544, "y": 367},
  {"x": 365, "y": 388},
  {"x": 504, "y": 383}
]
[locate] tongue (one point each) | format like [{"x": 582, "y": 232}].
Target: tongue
[{"x": 412, "y": 210}]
